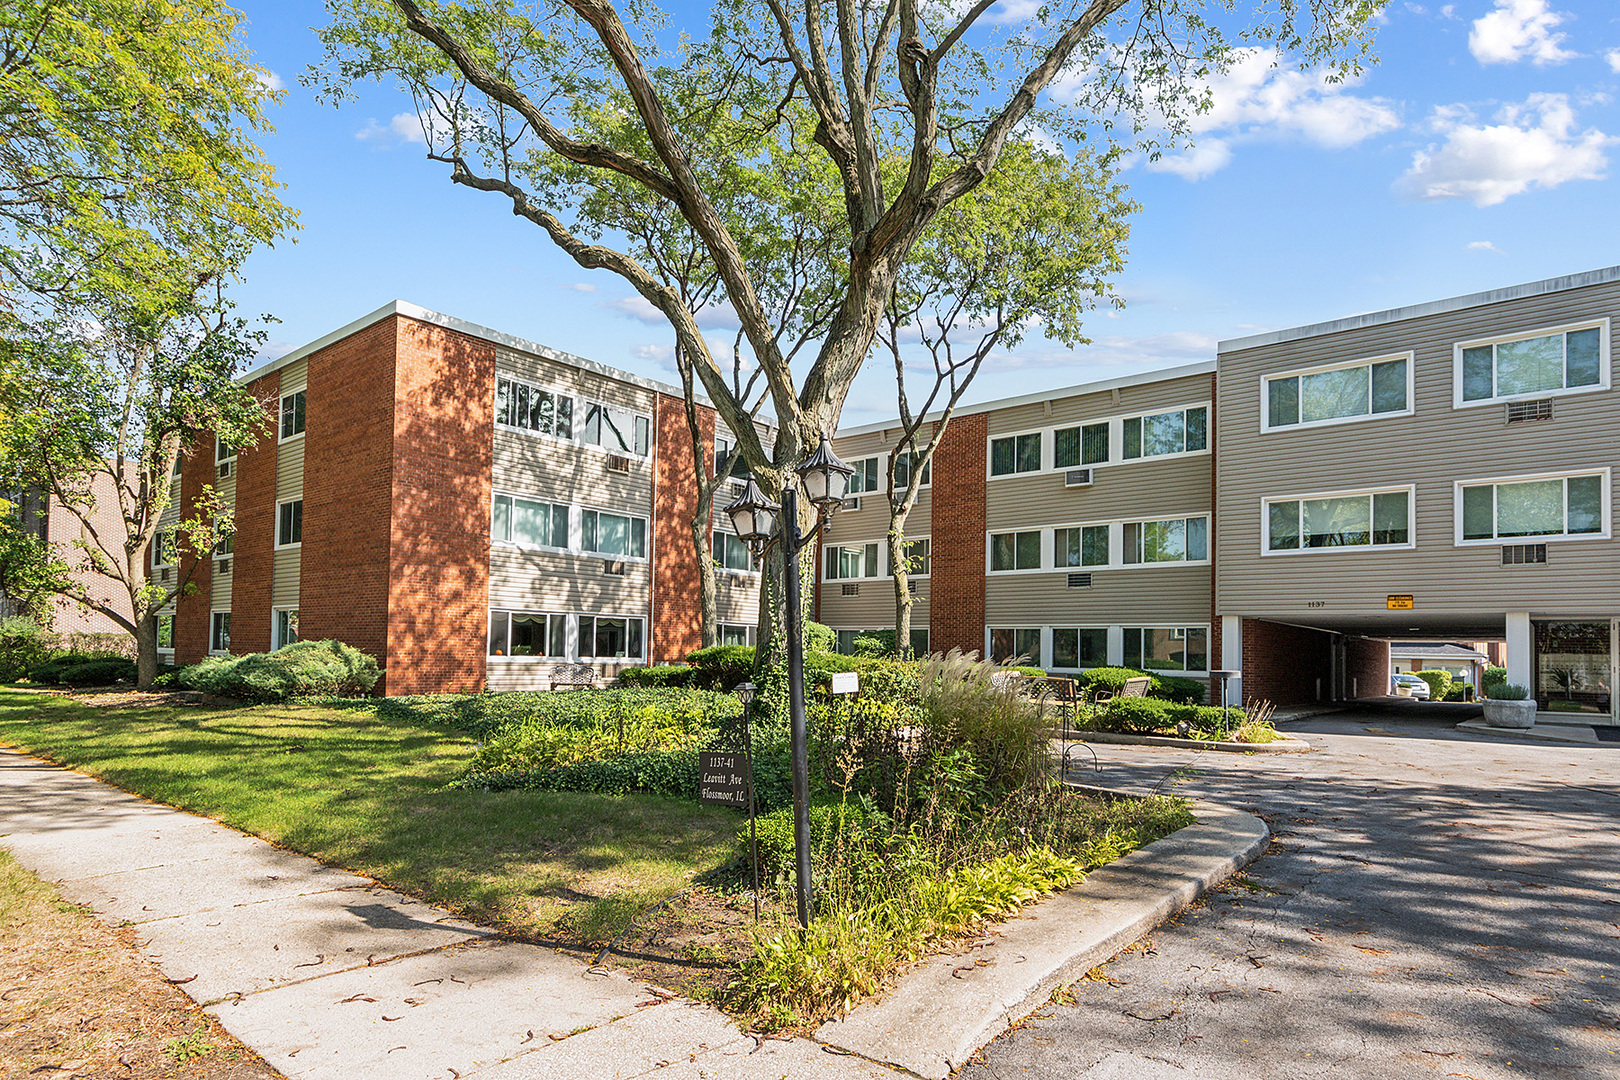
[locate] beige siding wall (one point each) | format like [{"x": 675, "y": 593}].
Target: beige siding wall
[
  {"x": 565, "y": 582},
  {"x": 1431, "y": 450},
  {"x": 1166, "y": 595},
  {"x": 284, "y": 578},
  {"x": 737, "y": 598},
  {"x": 873, "y": 609},
  {"x": 220, "y": 596}
]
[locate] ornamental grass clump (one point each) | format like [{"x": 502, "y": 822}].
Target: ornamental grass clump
[{"x": 973, "y": 705}]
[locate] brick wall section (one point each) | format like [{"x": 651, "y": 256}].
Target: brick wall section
[
  {"x": 677, "y": 622},
  {"x": 63, "y": 529},
  {"x": 348, "y": 490},
  {"x": 1281, "y": 664},
  {"x": 1366, "y": 668},
  {"x": 957, "y": 581},
  {"x": 192, "y": 612},
  {"x": 438, "y": 583},
  {"x": 253, "y": 549}
]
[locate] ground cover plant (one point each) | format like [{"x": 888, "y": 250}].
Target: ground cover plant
[
  {"x": 368, "y": 790},
  {"x": 1154, "y": 716},
  {"x": 80, "y": 1001}
]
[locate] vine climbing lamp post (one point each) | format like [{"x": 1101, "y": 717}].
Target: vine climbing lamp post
[{"x": 761, "y": 524}]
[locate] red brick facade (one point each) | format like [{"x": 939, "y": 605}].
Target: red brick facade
[
  {"x": 677, "y": 621},
  {"x": 956, "y": 598},
  {"x": 253, "y": 549},
  {"x": 1366, "y": 668},
  {"x": 191, "y": 619},
  {"x": 438, "y": 543},
  {"x": 1286, "y": 665}
]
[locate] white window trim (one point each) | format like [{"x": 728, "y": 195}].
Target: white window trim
[
  {"x": 494, "y": 404},
  {"x": 1116, "y": 442},
  {"x": 1411, "y": 521},
  {"x": 911, "y": 540},
  {"x": 1209, "y": 644},
  {"x": 582, "y": 508},
  {"x": 170, "y": 615},
  {"x": 1209, "y": 436},
  {"x": 749, "y": 631},
  {"x": 882, "y": 561},
  {"x": 211, "y": 615},
  {"x": 1046, "y": 452},
  {"x": 570, "y": 636},
  {"x": 579, "y": 426},
  {"x": 1116, "y": 544},
  {"x": 280, "y": 405},
  {"x": 577, "y": 639},
  {"x": 1046, "y": 552},
  {"x": 925, "y": 485},
  {"x": 279, "y": 546},
  {"x": 274, "y": 612},
  {"x": 722, "y": 569},
  {"x": 1051, "y": 647},
  {"x": 1267, "y": 427},
  {"x": 1605, "y": 365},
  {"x": 157, "y": 548},
  {"x": 217, "y": 443},
  {"x": 1553, "y": 538},
  {"x": 573, "y": 513}
]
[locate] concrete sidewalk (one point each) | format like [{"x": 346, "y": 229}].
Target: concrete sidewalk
[{"x": 328, "y": 975}]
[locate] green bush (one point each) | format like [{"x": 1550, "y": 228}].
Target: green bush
[
  {"x": 873, "y": 643},
  {"x": 1112, "y": 679},
  {"x": 834, "y": 828},
  {"x": 1180, "y": 690},
  {"x": 1156, "y": 716},
  {"x": 1503, "y": 691},
  {"x": 481, "y": 715},
  {"x": 664, "y": 675},
  {"x": 819, "y": 638},
  {"x": 1494, "y": 675},
  {"x": 1439, "y": 683},
  {"x": 103, "y": 671},
  {"x": 1025, "y": 669},
  {"x": 22, "y": 646},
  {"x": 302, "y": 669},
  {"x": 721, "y": 667},
  {"x": 52, "y": 669},
  {"x": 1139, "y": 715},
  {"x": 674, "y": 723}
]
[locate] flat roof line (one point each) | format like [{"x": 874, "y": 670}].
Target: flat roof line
[{"x": 1417, "y": 311}]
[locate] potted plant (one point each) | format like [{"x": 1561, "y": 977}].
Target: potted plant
[{"x": 1509, "y": 706}]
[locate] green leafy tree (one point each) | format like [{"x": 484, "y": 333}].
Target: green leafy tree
[{"x": 505, "y": 89}]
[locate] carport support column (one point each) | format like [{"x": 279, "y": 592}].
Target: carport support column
[
  {"x": 1232, "y": 655},
  {"x": 1520, "y": 650}
]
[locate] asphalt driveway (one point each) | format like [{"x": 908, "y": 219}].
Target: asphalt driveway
[{"x": 1435, "y": 903}]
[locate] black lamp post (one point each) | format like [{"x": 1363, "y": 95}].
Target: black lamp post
[{"x": 761, "y": 523}]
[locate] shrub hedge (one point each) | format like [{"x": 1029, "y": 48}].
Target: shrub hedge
[
  {"x": 1150, "y": 716},
  {"x": 82, "y": 669},
  {"x": 302, "y": 669},
  {"x": 481, "y": 715},
  {"x": 22, "y": 646},
  {"x": 664, "y": 675},
  {"x": 1439, "y": 683}
]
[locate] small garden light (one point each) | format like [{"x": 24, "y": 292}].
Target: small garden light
[
  {"x": 745, "y": 692},
  {"x": 1183, "y": 729}
]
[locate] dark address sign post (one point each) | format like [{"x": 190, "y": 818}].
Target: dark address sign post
[{"x": 723, "y": 778}]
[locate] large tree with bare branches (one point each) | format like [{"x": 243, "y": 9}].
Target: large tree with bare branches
[{"x": 905, "y": 107}]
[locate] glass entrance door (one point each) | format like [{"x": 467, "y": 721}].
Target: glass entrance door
[{"x": 1574, "y": 670}]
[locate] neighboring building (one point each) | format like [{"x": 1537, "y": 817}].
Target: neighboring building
[
  {"x": 1072, "y": 528},
  {"x": 468, "y": 507},
  {"x": 1462, "y": 663},
  {"x": 1444, "y": 470},
  {"x": 51, "y": 521}
]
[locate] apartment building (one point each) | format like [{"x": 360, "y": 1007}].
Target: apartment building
[
  {"x": 1072, "y": 528},
  {"x": 468, "y": 507},
  {"x": 1443, "y": 471}
]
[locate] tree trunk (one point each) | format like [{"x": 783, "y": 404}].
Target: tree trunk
[
  {"x": 146, "y": 651},
  {"x": 702, "y": 544},
  {"x": 900, "y": 567}
]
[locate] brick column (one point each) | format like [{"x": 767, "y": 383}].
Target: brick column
[
  {"x": 253, "y": 549},
  {"x": 957, "y": 581},
  {"x": 191, "y": 609},
  {"x": 677, "y": 622}
]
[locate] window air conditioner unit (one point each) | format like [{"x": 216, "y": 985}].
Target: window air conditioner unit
[
  {"x": 1079, "y": 581},
  {"x": 1519, "y": 412},
  {"x": 736, "y": 486},
  {"x": 1077, "y": 478},
  {"x": 1519, "y": 554},
  {"x": 851, "y": 503},
  {"x": 911, "y": 587},
  {"x": 614, "y": 568},
  {"x": 618, "y": 463},
  {"x": 850, "y": 590},
  {"x": 225, "y": 469}
]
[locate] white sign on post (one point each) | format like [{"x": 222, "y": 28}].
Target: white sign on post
[{"x": 846, "y": 682}]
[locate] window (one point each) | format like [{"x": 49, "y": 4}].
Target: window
[
  {"x": 1086, "y": 545},
  {"x": 1369, "y": 519},
  {"x": 1009, "y": 644},
  {"x": 223, "y": 452},
  {"x": 733, "y": 634},
  {"x": 165, "y": 633},
  {"x": 165, "y": 548},
  {"x": 1172, "y": 540},
  {"x": 919, "y": 641},
  {"x": 1181, "y": 432},
  {"x": 603, "y": 637},
  {"x": 602, "y": 533},
  {"x": 528, "y": 523},
  {"x": 534, "y": 408},
  {"x": 292, "y": 415},
  {"x": 286, "y": 628},
  {"x": 865, "y": 477},
  {"x": 1570, "y": 359},
  {"x": 219, "y": 633},
  {"x": 1015, "y": 551},
  {"x": 851, "y": 561},
  {"x": 727, "y": 461},
  {"x": 1352, "y": 392},
  {"x": 618, "y": 431},
  {"x": 903, "y": 461},
  {"x": 731, "y": 552},
  {"x": 1015, "y": 454},
  {"x": 1572, "y": 506},
  {"x": 1173, "y": 648},
  {"x": 1079, "y": 647},
  {"x": 1084, "y": 445},
  {"x": 290, "y": 523},
  {"x": 918, "y": 557},
  {"x": 524, "y": 633},
  {"x": 225, "y": 544}
]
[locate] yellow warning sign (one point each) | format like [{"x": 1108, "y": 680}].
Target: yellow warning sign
[{"x": 1399, "y": 602}]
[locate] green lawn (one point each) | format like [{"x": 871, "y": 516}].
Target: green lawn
[{"x": 369, "y": 794}]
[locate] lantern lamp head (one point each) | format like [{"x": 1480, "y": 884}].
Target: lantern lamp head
[
  {"x": 753, "y": 516},
  {"x": 745, "y": 692},
  {"x": 826, "y": 478}
]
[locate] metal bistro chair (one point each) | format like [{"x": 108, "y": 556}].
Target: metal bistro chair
[{"x": 1064, "y": 694}]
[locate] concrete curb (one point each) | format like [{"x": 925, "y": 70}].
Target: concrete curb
[
  {"x": 1284, "y": 745},
  {"x": 1543, "y": 732},
  {"x": 946, "y": 1008}
]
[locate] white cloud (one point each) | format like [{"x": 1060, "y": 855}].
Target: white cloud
[
  {"x": 269, "y": 79},
  {"x": 1519, "y": 30},
  {"x": 638, "y": 307},
  {"x": 1258, "y": 97},
  {"x": 1013, "y": 11},
  {"x": 273, "y": 350},
  {"x": 1449, "y": 11},
  {"x": 580, "y": 286},
  {"x": 1613, "y": 57},
  {"x": 403, "y": 128},
  {"x": 1482, "y": 245},
  {"x": 1154, "y": 350},
  {"x": 1531, "y": 145},
  {"x": 662, "y": 355}
]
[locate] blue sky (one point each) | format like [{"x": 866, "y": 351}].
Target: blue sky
[{"x": 1475, "y": 154}]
